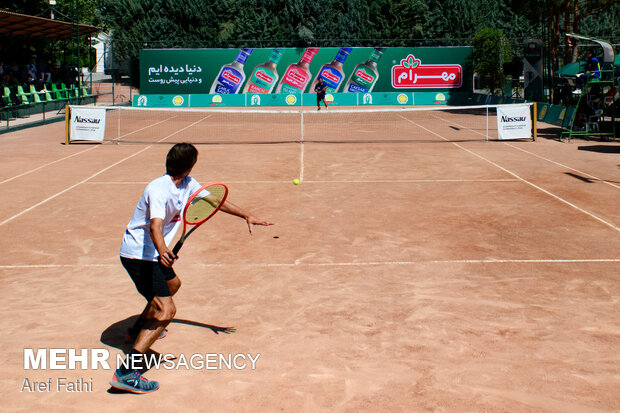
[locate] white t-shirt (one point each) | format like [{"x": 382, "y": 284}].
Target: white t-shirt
[{"x": 161, "y": 199}]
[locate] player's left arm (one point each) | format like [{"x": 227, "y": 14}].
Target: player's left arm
[{"x": 233, "y": 209}]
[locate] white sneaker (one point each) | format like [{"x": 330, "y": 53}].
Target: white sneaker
[{"x": 577, "y": 92}]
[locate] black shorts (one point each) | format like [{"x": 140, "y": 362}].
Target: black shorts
[
  {"x": 320, "y": 96},
  {"x": 150, "y": 277}
]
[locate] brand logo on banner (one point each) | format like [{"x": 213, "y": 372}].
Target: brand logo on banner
[
  {"x": 177, "y": 100},
  {"x": 411, "y": 73},
  {"x": 87, "y": 124},
  {"x": 142, "y": 101},
  {"x": 514, "y": 122}
]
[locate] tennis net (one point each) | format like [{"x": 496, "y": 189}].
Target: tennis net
[{"x": 230, "y": 126}]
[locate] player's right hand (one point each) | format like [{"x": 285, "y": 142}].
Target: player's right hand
[{"x": 167, "y": 258}]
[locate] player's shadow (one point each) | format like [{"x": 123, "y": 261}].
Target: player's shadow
[{"x": 116, "y": 336}]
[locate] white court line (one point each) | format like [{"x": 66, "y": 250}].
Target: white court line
[
  {"x": 298, "y": 263},
  {"x": 302, "y": 164},
  {"x": 565, "y": 166},
  {"x": 47, "y": 164},
  {"x": 89, "y": 178},
  {"x": 146, "y": 127},
  {"x": 536, "y": 155},
  {"x": 374, "y": 181},
  {"x": 75, "y": 154},
  {"x": 609, "y": 224},
  {"x": 70, "y": 188},
  {"x": 396, "y": 181}
]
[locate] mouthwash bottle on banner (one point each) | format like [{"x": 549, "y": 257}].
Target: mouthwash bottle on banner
[
  {"x": 264, "y": 77},
  {"x": 297, "y": 75},
  {"x": 332, "y": 73},
  {"x": 231, "y": 77},
  {"x": 365, "y": 75}
]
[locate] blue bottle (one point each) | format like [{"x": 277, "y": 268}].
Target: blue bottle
[{"x": 231, "y": 76}]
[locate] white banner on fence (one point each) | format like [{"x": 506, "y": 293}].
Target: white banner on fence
[
  {"x": 514, "y": 122},
  {"x": 87, "y": 124}
]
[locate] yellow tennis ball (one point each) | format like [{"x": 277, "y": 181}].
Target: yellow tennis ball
[{"x": 295, "y": 181}]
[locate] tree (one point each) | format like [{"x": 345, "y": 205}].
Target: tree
[
  {"x": 560, "y": 17},
  {"x": 491, "y": 50}
]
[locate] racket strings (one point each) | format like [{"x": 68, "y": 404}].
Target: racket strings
[{"x": 204, "y": 205}]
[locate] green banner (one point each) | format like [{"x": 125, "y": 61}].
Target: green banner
[
  {"x": 295, "y": 71},
  {"x": 555, "y": 114},
  {"x": 161, "y": 101},
  {"x": 305, "y": 99}
]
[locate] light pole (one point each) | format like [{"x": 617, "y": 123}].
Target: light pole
[{"x": 52, "y": 4}]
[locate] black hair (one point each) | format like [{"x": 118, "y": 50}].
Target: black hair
[{"x": 181, "y": 158}]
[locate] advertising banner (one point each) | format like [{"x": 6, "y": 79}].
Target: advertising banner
[
  {"x": 514, "y": 122},
  {"x": 296, "y": 71},
  {"x": 87, "y": 124}
]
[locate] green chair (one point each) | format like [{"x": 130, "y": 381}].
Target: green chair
[
  {"x": 6, "y": 97},
  {"x": 23, "y": 97},
  {"x": 37, "y": 95},
  {"x": 23, "y": 100},
  {"x": 58, "y": 92}
]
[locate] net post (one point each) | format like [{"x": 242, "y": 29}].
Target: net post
[
  {"x": 534, "y": 120},
  {"x": 67, "y": 122}
]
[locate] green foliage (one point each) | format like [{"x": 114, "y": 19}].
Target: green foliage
[
  {"x": 595, "y": 18},
  {"x": 491, "y": 50},
  {"x": 137, "y": 24}
]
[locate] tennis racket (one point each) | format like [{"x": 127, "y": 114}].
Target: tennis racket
[{"x": 201, "y": 206}]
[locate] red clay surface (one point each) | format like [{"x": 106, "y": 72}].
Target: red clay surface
[{"x": 445, "y": 275}]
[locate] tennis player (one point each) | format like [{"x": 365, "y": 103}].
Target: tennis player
[
  {"x": 148, "y": 259},
  {"x": 320, "y": 88}
]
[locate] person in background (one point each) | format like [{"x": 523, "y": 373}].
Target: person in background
[
  {"x": 31, "y": 72},
  {"x": 593, "y": 71}
]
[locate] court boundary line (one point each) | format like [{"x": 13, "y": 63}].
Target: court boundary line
[
  {"x": 336, "y": 181},
  {"x": 22, "y": 212},
  {"x": 45, "y": 165},
  {"x": 302, "y": 166},
  {"x": 72, "y": 155},
  {"x": 563, "y": 166},
  {"x": 609, "y": 224},
  {"x": 298, "y": 263},
  {"x": 534, "y": 154}
]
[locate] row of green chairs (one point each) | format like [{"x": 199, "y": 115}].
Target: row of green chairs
[{"x": 54, "y": 92}]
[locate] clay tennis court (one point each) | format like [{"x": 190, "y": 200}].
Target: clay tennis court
[{"x": 439, "y": 274}]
